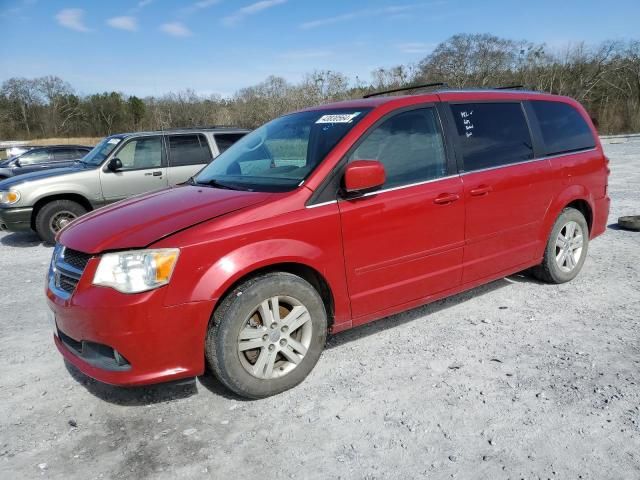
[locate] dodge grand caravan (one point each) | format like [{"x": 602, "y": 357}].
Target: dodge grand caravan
[
  {"x": 118, "y": 167},
  {"x": 323, "y": 220}
]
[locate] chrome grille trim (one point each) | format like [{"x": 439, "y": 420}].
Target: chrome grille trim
[{"x": 64, "y": 275}]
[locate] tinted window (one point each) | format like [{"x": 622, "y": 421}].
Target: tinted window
[
  {"x": 225, "y": 140},
  {"x": 492, "y": 134},
  {"x": 410, "y": 147},
  {"x": 141, "y": 153},
  {"x": 31, "y": 158},
  {"x": 188, "y": 150},
  {"x": 67, "y": 154},
  {"x": 563, "y": 128}
]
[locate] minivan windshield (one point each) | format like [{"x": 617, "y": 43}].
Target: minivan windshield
[
  {"x": 278, "y": 156},
  {"x": 101, "y": 151}
]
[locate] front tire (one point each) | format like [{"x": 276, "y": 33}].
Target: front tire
[
  {"x": 56, "y": 215},
  {"x": 566, "y": 248},
  {"x": 267, "y": 335}
]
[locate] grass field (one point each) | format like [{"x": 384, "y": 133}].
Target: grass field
[{"x": 65, "y": 141}]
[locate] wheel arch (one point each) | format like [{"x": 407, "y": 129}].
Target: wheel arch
[
  {"x": 575, "y": 196},
  {"x": 74, "y": 197},
  {"x": 302, "y": 270}
]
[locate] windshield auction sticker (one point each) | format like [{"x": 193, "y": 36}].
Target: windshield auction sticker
[{"x": 338, "y": 118}]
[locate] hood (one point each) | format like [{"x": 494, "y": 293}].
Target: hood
[
  {"x": 140, "y": 221},
  {"x": 7, "y": 162},
  {"x": 40, "y": 175}
]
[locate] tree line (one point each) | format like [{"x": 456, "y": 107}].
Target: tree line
[{"x": 605, "y": 78}]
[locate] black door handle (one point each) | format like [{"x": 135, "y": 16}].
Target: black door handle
[{"x": 155, "y": 174}]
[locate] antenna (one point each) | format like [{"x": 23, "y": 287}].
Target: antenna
[{"x": 403, "y": 89}]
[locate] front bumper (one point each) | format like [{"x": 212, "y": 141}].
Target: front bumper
[
  {"x": 15, "y": 219},
  {"x": 154, "y": 342}
]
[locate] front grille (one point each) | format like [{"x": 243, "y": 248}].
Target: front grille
[
  {"x": 75, "y": 258},
  {"x": 67, "y": 284},
  {"x": 67, "y": 267}
]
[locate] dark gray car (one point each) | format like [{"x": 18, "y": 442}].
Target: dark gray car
[
  {"x": 119, "y": 167},
  {"x": 42, "y": 158}
]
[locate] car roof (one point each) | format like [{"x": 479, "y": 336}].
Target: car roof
[
  {"x": 444, "y": 95},
  {"x": 183, "y": 130}
]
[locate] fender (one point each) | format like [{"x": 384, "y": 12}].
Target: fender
[
  {"x": 214, "y": 281},
  {"x": 569, "y": 194}
]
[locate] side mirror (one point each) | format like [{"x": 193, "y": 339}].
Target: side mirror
[
  {"x": 17, "y": 163},
  {"x": 362, "y": 176},
  {"x": 114, "y": 164}
]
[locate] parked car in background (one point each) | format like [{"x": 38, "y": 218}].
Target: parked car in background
[
  {"x": 323, "y": 220},
  {"x": 12, "y": 149},
  {"x": 118, "y": 167},
  {"x": 42, "y": 158}
]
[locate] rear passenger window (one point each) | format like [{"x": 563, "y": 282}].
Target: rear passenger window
[
  {"x": 66, "y": 154},
  {"x": 410, "y": 147},
  {"x": 225, "y": 140},
  {"x": 188, "y": 150},
  {"x": 563, "y": 128},
  {"x": 492, "y": 134}
]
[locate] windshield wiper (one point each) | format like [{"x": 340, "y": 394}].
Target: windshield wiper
[{"x": 225, "y": 186}]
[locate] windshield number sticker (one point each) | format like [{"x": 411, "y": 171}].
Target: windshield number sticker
[
  {"x": 114, "y": 141},
  {"x": 338, "y": 118}
]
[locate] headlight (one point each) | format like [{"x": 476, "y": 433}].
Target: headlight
[
  {"x": 9, "y": 198},
  {"x": 136, "y": 271}
]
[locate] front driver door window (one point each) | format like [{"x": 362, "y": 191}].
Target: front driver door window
[{"x": 143, "y": 169}]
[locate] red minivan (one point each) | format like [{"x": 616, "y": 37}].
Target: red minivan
[{"x": 322, "y": 220}]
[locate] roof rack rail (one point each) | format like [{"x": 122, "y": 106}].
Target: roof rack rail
[
  {"x": 509, "y": 87},
  {"x": 403, "y": 89},
  {"x": 203, "y": 127}
]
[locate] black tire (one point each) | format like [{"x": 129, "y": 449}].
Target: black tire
[
  {"x": 46, "y": 217},
  {"x": 630, "y": 223},
  {"x": 549, "y": 270},
  {"x": 231, "y": 316}
]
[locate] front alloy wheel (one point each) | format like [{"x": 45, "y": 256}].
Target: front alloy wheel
[
  {"x": 275, "y": 338},
  {"x": 267, "y": 334}
]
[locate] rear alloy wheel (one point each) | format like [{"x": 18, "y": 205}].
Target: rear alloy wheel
[
  {"x": 566, "y": 248},
  {"x": 267, "y": 335},
  {"x": 56, "y": 215}
]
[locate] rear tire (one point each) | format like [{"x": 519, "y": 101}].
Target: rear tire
[
  {"x": 56, "y": 215},
  {"x": 566, "y": 248},
  {"x": 267, "y": 335}
]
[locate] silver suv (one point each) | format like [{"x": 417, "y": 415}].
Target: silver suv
[{"x": 118, "y": 167}]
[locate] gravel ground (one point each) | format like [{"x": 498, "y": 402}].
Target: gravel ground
[{"x": 514, "y": 379}]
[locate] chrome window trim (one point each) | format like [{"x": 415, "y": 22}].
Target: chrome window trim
[
  {"x": 550, "y": 157},
  {"x": 330, "y": 202},
  {"x": 400, "y": 187},
  {"x": 409, "y": 185}
]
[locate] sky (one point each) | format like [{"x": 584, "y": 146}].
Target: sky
[{"x": 151, "y": 47}]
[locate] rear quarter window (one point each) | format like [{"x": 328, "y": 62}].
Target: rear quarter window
[
  {"x": 563, "y": 129},
  {"x": 225, "y": 140},
  {"x": 188, "y": 150},
  {"x": 492, "y": 134}
]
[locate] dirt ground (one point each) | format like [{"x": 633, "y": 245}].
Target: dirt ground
[{"x": 515, "y": 379}]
